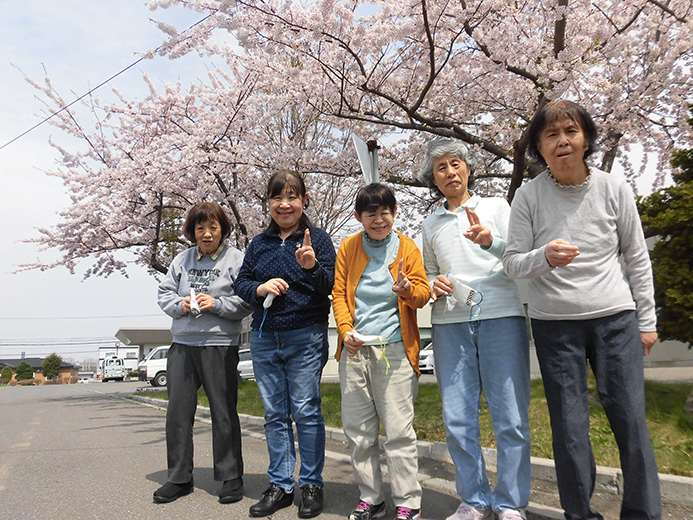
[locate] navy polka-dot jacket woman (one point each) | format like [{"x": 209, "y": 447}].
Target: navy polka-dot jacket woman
[{"x": 306, "y": 301}]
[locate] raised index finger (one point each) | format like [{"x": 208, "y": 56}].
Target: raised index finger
[{"x": 306, "y": 239}]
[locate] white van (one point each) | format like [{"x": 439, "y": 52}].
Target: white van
[
  {"x": 153, "y": 367},
  {"x": 113, "y": 368},
  {"x": 245, "y": 364}
]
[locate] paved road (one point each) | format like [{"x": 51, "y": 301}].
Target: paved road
[{"x": 87, "y": 452}]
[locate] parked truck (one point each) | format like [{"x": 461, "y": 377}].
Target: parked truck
[{"x": 113, "y": 369}]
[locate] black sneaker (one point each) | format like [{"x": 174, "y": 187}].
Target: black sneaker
[
  {"x": 231, "y": 491},
  {"x": 273, "y": 498},
  {"x": 367, "y": 511},
  {"x": 170, "y": 492},
  {"x": 407, "y": 513},
  {"x": 311, "y": 501}
]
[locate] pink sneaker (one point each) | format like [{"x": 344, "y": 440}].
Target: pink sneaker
[
  {"x": 467, "y": 512},
  {"x": 407, "y": 513},
  {"x": 512, "y": 514},
  {"x": 367, "y": 511}
]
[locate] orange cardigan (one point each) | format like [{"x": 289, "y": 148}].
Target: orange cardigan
[{"x": 351, "y": 263}]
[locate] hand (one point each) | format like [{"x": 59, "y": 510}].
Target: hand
[
  {"x": 305, "y": 256},
  {"x": 560, "y": 253},
  {"x": 402, "y": 284},
  {"x": 205, "y": 301},
  {"x": 352, "y": 345},
  {"x": 275, "y": 286},
  {"x": 441, "y": 287},
  {"x": 477, "y": 233},
  {"x": 185, "y": 305},
  {"x": 648, "y": 339}
]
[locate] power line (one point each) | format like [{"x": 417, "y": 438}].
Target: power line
[
  {"x": 90, "y": 91},
  {"x": 49, "y": 350},
  {"x": 48, "y": 343},
  {"x": 70, "y": 104},
  {"x": 45, "y": 353},
  {"x": 87, "y": 317},
  {"x": 56, "y": 344}
]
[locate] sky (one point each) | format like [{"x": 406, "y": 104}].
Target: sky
[{"x": 80, "y": 43}]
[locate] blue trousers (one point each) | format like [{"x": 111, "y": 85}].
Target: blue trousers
[
  {"x": 492, "y": 355},
  {"x": 288, "y": 365},
  {"x": 613, "y": 347}
]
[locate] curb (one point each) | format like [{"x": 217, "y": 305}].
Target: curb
[{"x": 674, "y": 489}]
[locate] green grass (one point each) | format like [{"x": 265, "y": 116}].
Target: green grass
[{"x": 670, "y": 429}]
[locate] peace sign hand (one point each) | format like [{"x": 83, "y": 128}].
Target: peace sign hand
[
  {"x": 305, "y": 255},
  {"x": 402, "y": 284},
  {"x": 477, "y": 233}
]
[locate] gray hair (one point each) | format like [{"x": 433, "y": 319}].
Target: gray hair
[{"x": 453, "y": 147}]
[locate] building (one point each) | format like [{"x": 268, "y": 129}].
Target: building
[
  {"x": 67, "y": 370},
  {"x": 136, "y": 343}
]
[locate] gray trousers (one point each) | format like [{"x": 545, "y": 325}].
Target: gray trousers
[
  {"x": 215, "y": 368},
  {"x": 613, "y": 347}
]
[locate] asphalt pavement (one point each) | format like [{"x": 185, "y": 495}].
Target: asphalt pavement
[{"x": 90, "y": 451}]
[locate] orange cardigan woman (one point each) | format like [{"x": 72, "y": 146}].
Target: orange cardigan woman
[{"x": 380, "y": 282}]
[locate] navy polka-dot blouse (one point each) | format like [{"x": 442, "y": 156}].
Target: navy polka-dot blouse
[{"x": 307, "y": 300}]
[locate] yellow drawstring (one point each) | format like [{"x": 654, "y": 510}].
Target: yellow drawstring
[{"x": 383, "y": 348}]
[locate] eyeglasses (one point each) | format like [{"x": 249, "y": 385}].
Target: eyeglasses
[{"x": 475, "y": 309}]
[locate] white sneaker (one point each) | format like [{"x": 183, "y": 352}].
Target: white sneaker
[
  {"x": 512, "y": 514},
  {"x": 467, "y": 512}
]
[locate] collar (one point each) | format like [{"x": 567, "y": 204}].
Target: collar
[
  {"x": 471, "y": 203},
  {"x": 377, "y": 243},
  {"x": 587, "y": 181},
  {"x": 298, "y": 234},
  {"x": 216, "y": 253}
]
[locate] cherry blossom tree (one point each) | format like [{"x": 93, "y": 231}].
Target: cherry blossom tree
[
  {"x": 147, "y": 162},
  {"x": 300, "y": 76},
  {"x": 476, "y": 70}
]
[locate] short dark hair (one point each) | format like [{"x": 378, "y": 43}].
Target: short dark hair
[
  {"x": 281, "y": 179},
  {"x": 551, "y": 113},
  {"x": 203, "y": 212},
  {"x": 373, "y": 196},
  {"x": 293, "y": 181}
]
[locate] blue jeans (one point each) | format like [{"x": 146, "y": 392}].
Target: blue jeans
[
  {"x": 288, "y": 365},
  {"x": 492, "y": 355},
  {"x": 614, "y": 349}
]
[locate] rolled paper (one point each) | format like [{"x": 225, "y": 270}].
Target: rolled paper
[{"x": 194, "y": 306}]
